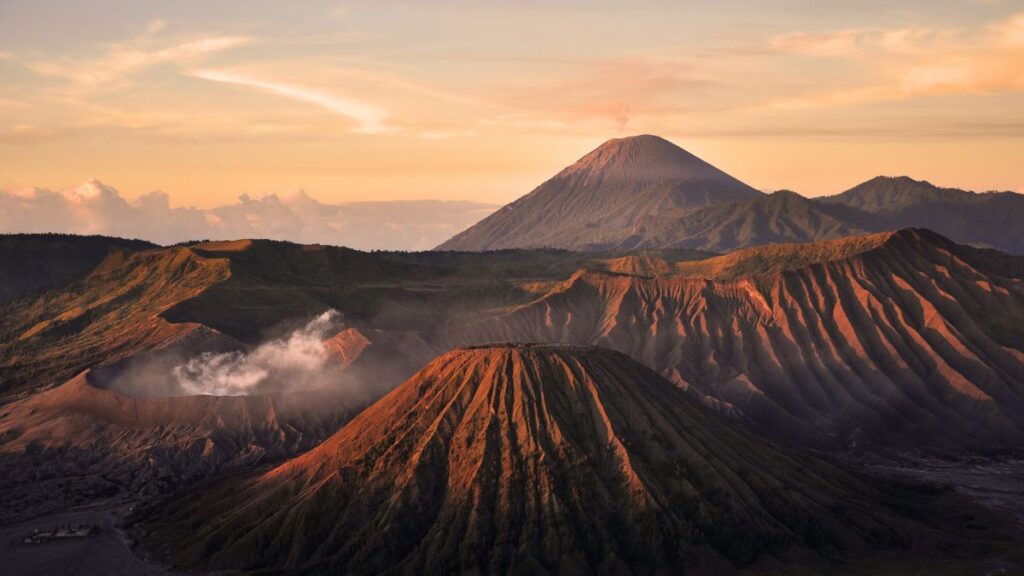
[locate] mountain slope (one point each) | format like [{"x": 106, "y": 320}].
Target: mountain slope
[
  {"x": 32, "y": 262},
  {"x": 529, "y": 459},
  {"x": 597, "y": 201},
  {"x": 884, "y": 194},
  {"x": 76, "y": 441},
  {"x": 249, "y": 289},
  {"x": 108, "y": 315},
  {"x": 990, "y": 219},
  {"x": 902, "y": 339},
  {"x": 780, "y": 217}
]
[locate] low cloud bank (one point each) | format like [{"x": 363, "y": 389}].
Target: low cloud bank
[{"x": 95, "y": 208}]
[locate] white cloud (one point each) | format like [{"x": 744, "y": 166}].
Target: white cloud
[
  {"x": 123, "y": 60},
  {"x": 95, "y": 208},
  {"x": 368, "y": 119},
  {"x": 912, "y": 62}
]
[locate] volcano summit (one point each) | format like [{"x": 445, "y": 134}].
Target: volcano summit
[
  {"x": 597, "y": 201},
  {"x": 530, "y": 459}
]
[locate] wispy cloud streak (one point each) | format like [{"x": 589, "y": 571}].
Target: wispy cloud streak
[
  {"x": 368, "y": 119},
  {"x": 124, "y": 60}
]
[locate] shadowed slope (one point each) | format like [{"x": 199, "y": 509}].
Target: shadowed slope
[
  {"x": 884, "y": 194},
  {"x": 32, "y": 262},
  {"x": 110, "y": 314},
  {"x": 528, "y": 459},
  {"x": 783, "y": 216},
  {"x": 75, "y": 441},
  {"x": 597, "y": 201},
  {"x": 990, "y": 218}
]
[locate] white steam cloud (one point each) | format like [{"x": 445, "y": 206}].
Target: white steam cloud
[
  {"x": 298, "y": 361},
  {"x": 95, "y": 208},
  {"x": 305, "y": 358}
]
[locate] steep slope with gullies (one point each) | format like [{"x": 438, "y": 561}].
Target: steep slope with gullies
[
  {"x": 530, "y": 459},
  {"x": 596, "y": 202},
  {"x": 904, "y": 339},
  {"x": 78, "y": 441}
]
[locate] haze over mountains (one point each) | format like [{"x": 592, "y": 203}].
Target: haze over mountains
[
  {"x": 644, "y": 192},
  {"x": 988, "y": 219}
]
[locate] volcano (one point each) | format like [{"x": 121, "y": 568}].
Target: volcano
[
  {"x": 528, "y": 459},
  {"x": 597, "y": 202}
]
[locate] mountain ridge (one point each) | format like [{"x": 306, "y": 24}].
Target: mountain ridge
[{"x": 824, "y": 344}]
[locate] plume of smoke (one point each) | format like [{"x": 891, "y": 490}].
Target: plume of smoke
[
  {"x": 209, "y": 363},
  {"x": 298, "y": 361}
]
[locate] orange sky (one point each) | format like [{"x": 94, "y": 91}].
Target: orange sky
[{"x": 455, "y": 100}]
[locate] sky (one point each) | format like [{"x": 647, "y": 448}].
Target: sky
[{"x": 482, "y": 101}]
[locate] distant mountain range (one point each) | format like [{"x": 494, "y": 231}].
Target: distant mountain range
[{"x": 644, "y": 192}]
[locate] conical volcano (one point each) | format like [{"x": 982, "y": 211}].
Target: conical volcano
[
  {"x": 528, "y": 459},
  {"x": 645, "y": 158},
  {"x": 599, "y": 201}
]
